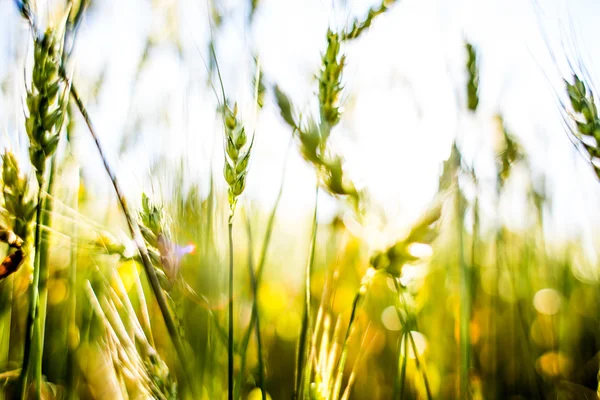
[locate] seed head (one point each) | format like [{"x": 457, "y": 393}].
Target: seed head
[
  {"x": 358, "y": 27},
  {"x": 165, "y": 254},
  {"x": 45, "y": 104},
  {"x": 237, "y": 156},
  {"x": 313, "y": 147},
  {"x": 586, "y": 118},
  {"x": 473, "y": 78},
  {"x": 330, "y": 84},
  {"x": 153, "y": 218},
  {"x": 313, "y": 134},
  {"x": 163, "y": 384},
  {"x": 20, "y": 205}
]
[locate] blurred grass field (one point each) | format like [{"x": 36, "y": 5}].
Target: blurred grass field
[{"x": 474, "y": 291}]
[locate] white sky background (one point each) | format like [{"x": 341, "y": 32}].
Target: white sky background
[{"x": 401, "y": 88}]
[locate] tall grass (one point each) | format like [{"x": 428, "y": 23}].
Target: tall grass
[
  {"x": 45, "y": 102},
  {"x": 459, "y": 305}
]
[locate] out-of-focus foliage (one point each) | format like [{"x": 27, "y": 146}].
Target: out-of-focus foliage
[{"x": 459, "y": 305}]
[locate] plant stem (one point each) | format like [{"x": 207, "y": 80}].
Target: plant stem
[
  {"x": 131, "y": 223},
  {"x": 408, "y": 326},
  {"x": 32, "y": 331},
  {"x": 71, "y": 321},
  {"x": 230, "y": 325},
  {"x": 421, "y": 367},
  {"x": 261, "y": 266},
  {"x": 44, "y": 270},
  {"x": 138, "y": 240},
  {"x": 306, "y": 319},
  {"x": 404, "y": 362},
  {"x": 263, "y": 254},
  {"x": 254, "y": 284},
  {"x": 342, "y": 362}
]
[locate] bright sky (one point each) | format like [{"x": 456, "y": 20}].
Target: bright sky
[{"x": 403, "y": 94}]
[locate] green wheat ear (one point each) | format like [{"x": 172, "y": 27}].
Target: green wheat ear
[
  {"x": 358, "y": 27},
  {"x": 153, "y": 217},
  {"x": 330, "y": 84},
  {"x": 586, "y": 118},
  {"x": 18, "y": 201},
  {"x": 312, "y": 134},
  {"x": 473, "y": 78},
  {"x": 237, "y": 156},
  {"x": 45, "y": 103}
]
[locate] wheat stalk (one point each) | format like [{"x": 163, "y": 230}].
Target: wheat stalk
[
  {"x": 46, "y": 108},
  {"x": 313, "y": 136},
  {"x": 26, "y": 12},
  {"x": 237, "y": 159},
  {"x": 313, "y": 139},
  {"x": 257, "y": 275},
  {"x": 305, "y": 339}
]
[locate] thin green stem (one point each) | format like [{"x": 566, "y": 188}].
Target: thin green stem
[
  {"x": 303, "y": 346},
  {"x": 230, "y": 325},
  {"x": 465, "y": 302},
  {"x": 408, "y": 326},
  {"x": 420, "y": 367},
  {"x": 403, "y": 370},
  {"x": 342, "y": 362},
  {"x": 71, "y": 320},
  {"x": 138, "y": 240},
  {"x": 44, "y": 270},
  {"x": 32, "y": 330}
]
